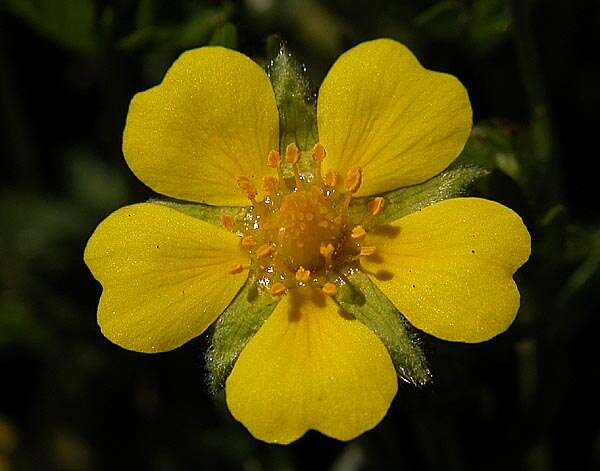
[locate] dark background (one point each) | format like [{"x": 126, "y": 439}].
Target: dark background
[{"x": 71, "y": 400}]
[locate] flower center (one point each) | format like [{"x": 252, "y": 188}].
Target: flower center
[
  {"x": 305, "y": 221},
  {"x": 300, "y": 233}
]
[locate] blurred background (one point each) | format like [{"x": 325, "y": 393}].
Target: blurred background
[{"x": 70, "y": 400}]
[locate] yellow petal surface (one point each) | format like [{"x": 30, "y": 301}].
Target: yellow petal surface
[
  {"x": 310, "y": 366},
  {"x": 448, "y": 268},
  {"x": 165, "y": 276},
  {"x": 212, "y": 118},
  {"x": 379, "y": 109}
]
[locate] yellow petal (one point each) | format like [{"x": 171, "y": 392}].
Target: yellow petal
[
  {"x": 212, "y": 118},
  {"x": 448, "y": 268},
  {"x": 379, "y": 109},
  {"x": 310, "y": 366},
  {"x": 165, "y": 276}
]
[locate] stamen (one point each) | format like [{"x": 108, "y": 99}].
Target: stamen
[
  {"x": 227, "y": 221},
  {"x": 302, "y": 275},
  {"x": 248, "y": 241},
  {"x": 292, "y": 153},
  {"x": 236, "y": 268},
  {"x": 327, "y": 252},
  {"x": 264, "y": 250},
  {"x": 367, "y": 250},
  {"x": 329, "y": 289},
  {"x": 318, "y": 153},
  {"x": 273, "y": 159},
  {"x": 247, "y": 186},
  {"x": 353, "y": 180},
  {"x": 358, "y": 232},
  {"x": 376, "y": 205},
  {"x": 270, "y": 185},
  {"x": 278, "y": 289},
  {"x": 330, "y": 179}
]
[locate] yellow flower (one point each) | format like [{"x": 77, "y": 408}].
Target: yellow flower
[{"x": 209, "y": 134}]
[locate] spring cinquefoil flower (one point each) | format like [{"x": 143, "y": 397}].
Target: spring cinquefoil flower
[{"x": 209, "y": 133}]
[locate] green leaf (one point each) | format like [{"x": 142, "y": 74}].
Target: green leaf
[
  {"x": 205, "y": 212},
  {"x": 586, "y": 274},
  {"x": 490, "y": 25},
  {"x": 404, "y": 201},
  {"x": 69, "y": 23},
  {"x": 361, "y": 298},
  {"x": 234, "y": 329},
  {"x": 443, "y": 20},
  {"x": 225, "y": 36},
  {"x": 198, "y": 29},
  {"x": 295, "y": 100},
  {"x": 494, "y": 145}
]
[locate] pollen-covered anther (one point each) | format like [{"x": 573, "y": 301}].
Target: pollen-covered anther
[
  {"x": 264, "y": 251},
  {"x": 247, "y": 185},
  {"x": 248, "y": 241},
  {"x": 318, "y": 152},
  {"x": 330, "y": 179},
  {"x": 353, "y": 180},
  {"x": 302, "y": 275},
  {"x": 292, "y": 153},
  {"x": 273, "y": 159},
  {"x": 375, "y": 206},
  {"x": 236, "y": 268},
  {"x": 367, "y": 250},
  {"x": 227, "y": 221},
  {"x": 358, "y": 232},
  {"x": 329, "y": 289},
  {"x": 270, "y": 184},
  {"x": 277, "y": 289}
]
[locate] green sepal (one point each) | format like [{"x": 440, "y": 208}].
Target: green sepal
[
  {"x": 361, "y": 298},
  {"x": 234, "y": 329},
  {"x": 295, "y": 100},
  {"x": 204, "y": 212},
  {"x": 407, "y": 200}
]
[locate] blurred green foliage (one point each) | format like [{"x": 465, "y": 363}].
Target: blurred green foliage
[{"x": 72, "y": 400}]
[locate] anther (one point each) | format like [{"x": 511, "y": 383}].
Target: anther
[
  {"x": 302, "y": 275},
  {"x": 329, "y": 289},
  {"x": 236, "y": 268},
  {"x": 264, "y": 250},
  {"x": 278, "y": 289},
  {"x": 227, "y": 221},
  {"x": 273, "y": 159},
  {"x": 353, "y": 180},
  {"x": 376, "y": 205},
  {"x": 367, "y": 250},
  {"x": 248, "y": 241},
  {"x": 292, "y": 153},
  {"x": 358, "y": 232},
  {"x": 318, "y": 152},
  {"x": 330, "y": 179},
  {"x": 247, "y": 186},
  {"x": 270, "y": 184}
]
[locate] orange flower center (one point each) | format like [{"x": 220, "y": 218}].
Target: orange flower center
[{"x": 298, "y": 232}]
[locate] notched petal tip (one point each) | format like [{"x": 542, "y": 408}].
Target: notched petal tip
[
  {"x": 184, "y": 137},
  {"x": 451, "y": 267},
  {"x": 379, "y": 109},
  {"x": 165, "y": 275},
  {"x": 299, "y": 371}
]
